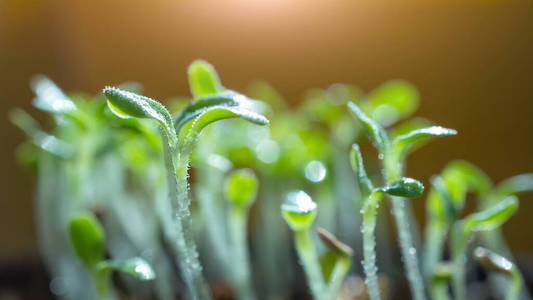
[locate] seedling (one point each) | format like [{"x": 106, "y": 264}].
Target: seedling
[
  {"x": 87, "y": 239},
  {"x": 179, "y": 137},
  {"x": 393, "y": 154},
  {"x": 405, "y": 187}
]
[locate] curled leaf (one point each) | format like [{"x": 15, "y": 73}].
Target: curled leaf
[
  {"x": 356, "y": 159},
  {"x": 406, "y": 143},
  {"x": 87, "y": 238},
  {"x": 492, "y": 217},
  {"x": 299, "y": 210},
  {"x": 203, "y": 79},
  {"x": 135, "y": 267},
  {"x": 378, "y": 134},
  {"x": 439, "y": 203},
  {"x": 405, "y": 187},
  {"x": 241, "y": 187},
  {"x": 50, "y": 98},
  {"x": 126, "y": 104}
]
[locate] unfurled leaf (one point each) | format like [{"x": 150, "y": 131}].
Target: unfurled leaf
[
  {"x": 298, "y": 210},
  {"x": 405, "y": 187},
  {"x": 406, "y": 143},
  {"x": 135, "y": 267},
  {"x": 49, "y": 97},
  {"x": 263, "y": 91},
  {"x": 439, "y": 203},
  {"x": 378, "y": 134},
  {"x": 39, "y": 138},
  {"x": 408, "y": 126},
  {"x": 515, "y": 185},
  {"x": 492, "y": 217},
  {"x": 87, "y": 238},
  {"x": 392, "y": 101},
  {"x": 241, "y": 187},
  {"x": 365, "y": 185},
  {"x": 203, "y": 79},
  {"x": 126, "y": 104}
]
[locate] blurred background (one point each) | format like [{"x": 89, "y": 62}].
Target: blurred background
[{"x": 472, "y": 62}]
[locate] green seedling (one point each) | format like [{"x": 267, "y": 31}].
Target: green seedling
[
  {"x": 393, "y": 154},
  {"x": 87, "y": 239},
  {"x": 499, "y": 264},
  {"x": 438, "y": 285},
  {"x": 240, "y": 191},
  {"x": 180, "y": 137},
  {"x": 405, "y": 187},
  {"x": 299, "y": 211},
  {"x": 485, "y": 220}
]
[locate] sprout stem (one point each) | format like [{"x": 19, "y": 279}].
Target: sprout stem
[
  {"x": 241, "y": 272},
  {"x": 392, "y": 173},
  {"x": 369, "y": 244},
  {"x": 309, "y": 260}
]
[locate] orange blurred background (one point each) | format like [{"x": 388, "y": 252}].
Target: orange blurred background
[{"x": 471, "y": 60}]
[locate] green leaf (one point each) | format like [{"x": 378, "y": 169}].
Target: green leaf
[
  {"x": 87, "y": 238},
  {"x": 298, "y": 210},
  {"x": 405, "y": 187},
  {"x": 460, "y": 177},
  {"x": 492, "y": 217},
  {"x": 135, "y": 267},
  {"x": 126, "y": 104},
  {"x": 39, "y": 138},
  {"x": 191, "y": 125},
  {"x": 50, "y": 98},
  {"x": 378, "y": 134},
  {"x": 240, "y": 187},
  {"x": 439, "y": 203},
  {"x": 515, "y": 185},
  {"x": 203, "y": 79},
  {"x": 392, "y": 101},
  {"x": 263, "y": 91},
  {"x": 406, "y": 143},
  {"x": 365, "y": 185}
]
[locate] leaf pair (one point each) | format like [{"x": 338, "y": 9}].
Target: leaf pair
[
  {"x": 88, "y": 241},
  {"x": 403, "y": 144},
  {"x": 211, "y": 103}
]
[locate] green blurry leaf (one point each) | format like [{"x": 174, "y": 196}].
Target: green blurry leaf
[
  {"x": 406, "y": 143},
  {"x": 203, "y": 79},
  {"x": 356, "y": 160},
  {"x": 439, "y": 203},
  {"x": 241, "y": 187},
  {"x": 392, "y": 101},
  {"x": 125, "y": 104},
  {"x": 460, "y": 177},
  {"x": 39, "y": 138},
  {"x": 515, "y": 185},
  {"x": 378, "y": 134},
  {"x": 492, "y": 217},
  {"x": 87, "y": 238},
  {"x": 405, "y": 187},
  {"x": 50, "y": 98},
  {"x": 298, "y": 210},
  {"x": 135, "y": 267},
  {"x": 263, "y": 91}
]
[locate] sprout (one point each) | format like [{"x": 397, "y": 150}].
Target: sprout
[
  {"x": 405, "y": 187},
  {"x": 299, "y": 210},
  {"x": 241, "y": 187}
]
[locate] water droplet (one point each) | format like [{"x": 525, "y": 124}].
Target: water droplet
[
  {"x": 268, "y": 151},
  {"x": 412, "y": 251},
  {"x": 315, "y": 171}
]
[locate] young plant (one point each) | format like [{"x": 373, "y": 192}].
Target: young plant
[
  {"x": 488, "y": 219},
  {"x": 87, "y": 239},
  {"x": 211, "y": 103},
  {"x": 499, "y": 264},
  {"x": 404, "y": 187},
  {"x": 393, "y": 154},
  {"x": 299, "y": 211},
  {"x": 240, "y": 191},
  {"x": 438, "y": 284}
]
